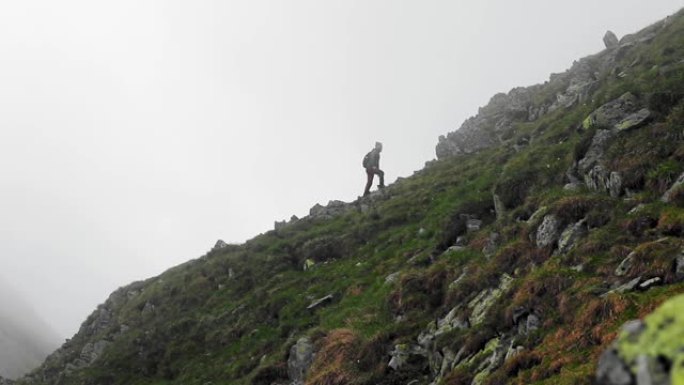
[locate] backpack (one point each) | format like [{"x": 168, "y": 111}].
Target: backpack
[{"x": 366, "y": 160}]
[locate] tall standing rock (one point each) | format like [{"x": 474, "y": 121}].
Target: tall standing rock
[
  {"x": 299, "y": 361},
  {"x": 610, "y": 40}
]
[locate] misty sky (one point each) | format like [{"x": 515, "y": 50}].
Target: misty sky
[{"x": 134, "y": 134}]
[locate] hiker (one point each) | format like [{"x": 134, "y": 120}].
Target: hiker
[{"x": 371, "y": 162}]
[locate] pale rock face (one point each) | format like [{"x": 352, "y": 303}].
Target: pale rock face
[{"x": 300, "y": 359}]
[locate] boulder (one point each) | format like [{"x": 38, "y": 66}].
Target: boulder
[
  {"x": 220, "y": 244},
  {"x": 648, "y": 352},
  {"x": 610, "y": 40},
  {"x": 300, "y": 359},
  {"x": 571, "y": 235},
  {"x": 609, "y": 115},
  {"x": 549, "y": 231},
  {"x": 634, "y": 120},
  {"x": 486, "y": 298},
  {"x": 626, "y": 264}
]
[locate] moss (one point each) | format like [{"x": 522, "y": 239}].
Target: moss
[{"x": 662, "y": 338}]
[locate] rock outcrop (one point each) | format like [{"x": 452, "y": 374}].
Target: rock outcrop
[
  {"x": 496, "y": 122},
  {"x": 300, "y": 359},
  {"x": 649, "y": 351}
]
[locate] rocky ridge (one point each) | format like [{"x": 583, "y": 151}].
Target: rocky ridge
[{"x": 450, "y": 276}]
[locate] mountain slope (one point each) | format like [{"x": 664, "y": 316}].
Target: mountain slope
[{"x": 550, "y": 219}]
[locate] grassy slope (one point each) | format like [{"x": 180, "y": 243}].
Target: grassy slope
[{"x": 209, "y": 328}]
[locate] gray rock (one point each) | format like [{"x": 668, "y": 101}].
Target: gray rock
[
  {"x": 549, "y": 231},
  {"x": 679, "y": 267},
  {"x": 670, "y": 193},
  {"x": 473, "y": 224},
  {"x": 625, "y": 265},
  {"x": 402, "y": 353},
  {"x": 610, "y": 40},
  {"x": 614, "y": 185},
  {"x": 300, "y": 359},
  {"x": 279, "y": 225},
  {"x": 486, "y": 298},
  {"x": 320, "y": 302},
  {"x": 634, "y": 120},
  {"x": 650, "y": 371},
  {"x": 392, "y": 278},
  {"x": 612, "y": 371},
  {"x": 631, "y": 330},
  {"x": 333, "y": 209},
  {"x": 571, "y": 235},
  {"x": 220, "y": 244},
  {"x": 650, "y": 283},
  {"x": 627, "y": 287}
]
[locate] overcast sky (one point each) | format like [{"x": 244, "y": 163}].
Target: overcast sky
[{"x": 134, "y": 134}]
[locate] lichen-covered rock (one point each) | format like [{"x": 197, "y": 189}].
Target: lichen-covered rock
[
  {"x": 612, "y": 113},
  {"x": 405, "y": 353},
  {"x": 300, "y": 359},
  {"x": 648, "y": 352},
  {"x": 549, "y": 231},
  {"x": 571, "y": 235},
  {"x": 486, "y": 298}
]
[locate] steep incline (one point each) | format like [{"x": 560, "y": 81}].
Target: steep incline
[{"x": 551, "y": 218}]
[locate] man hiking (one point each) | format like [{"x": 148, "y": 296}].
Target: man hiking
[{"x": 371, "y": 162}]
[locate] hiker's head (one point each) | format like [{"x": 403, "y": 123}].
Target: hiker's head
[{"x": 378, "y": 146}]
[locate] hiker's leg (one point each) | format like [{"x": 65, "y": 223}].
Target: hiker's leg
[
  {"x": 369, "y": 181},
  {"x": 381, "y": 174}
]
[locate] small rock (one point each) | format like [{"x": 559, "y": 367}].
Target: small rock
[
  {"x": 320, "y": 302},
  {"x": 392, "y": 278},
  {"x": 650, "y": 283},
  {"x": 610, "y": 40},
  {"x": 571, "y": 235},
  {"x": 625, "y": 265},
  {"x": 308, "y": 264},
  {"x": 473, "y": 224},
  {"x": 549, "y": 231},
  {"x": 627, "y": 287}
]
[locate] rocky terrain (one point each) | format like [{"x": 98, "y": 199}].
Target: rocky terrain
[{"x": 533, "y": 251}]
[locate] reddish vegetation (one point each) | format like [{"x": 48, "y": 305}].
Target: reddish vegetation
[{"x": 335, "y": 352}]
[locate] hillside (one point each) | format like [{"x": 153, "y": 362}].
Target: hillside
[
  {"x": 25, "y": 340},
  {"x": 550, "y": 219}
]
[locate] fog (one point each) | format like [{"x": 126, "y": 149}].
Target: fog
[
  {"x": 25, "y": 340},
  {"x": 134, "y": 134}
]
